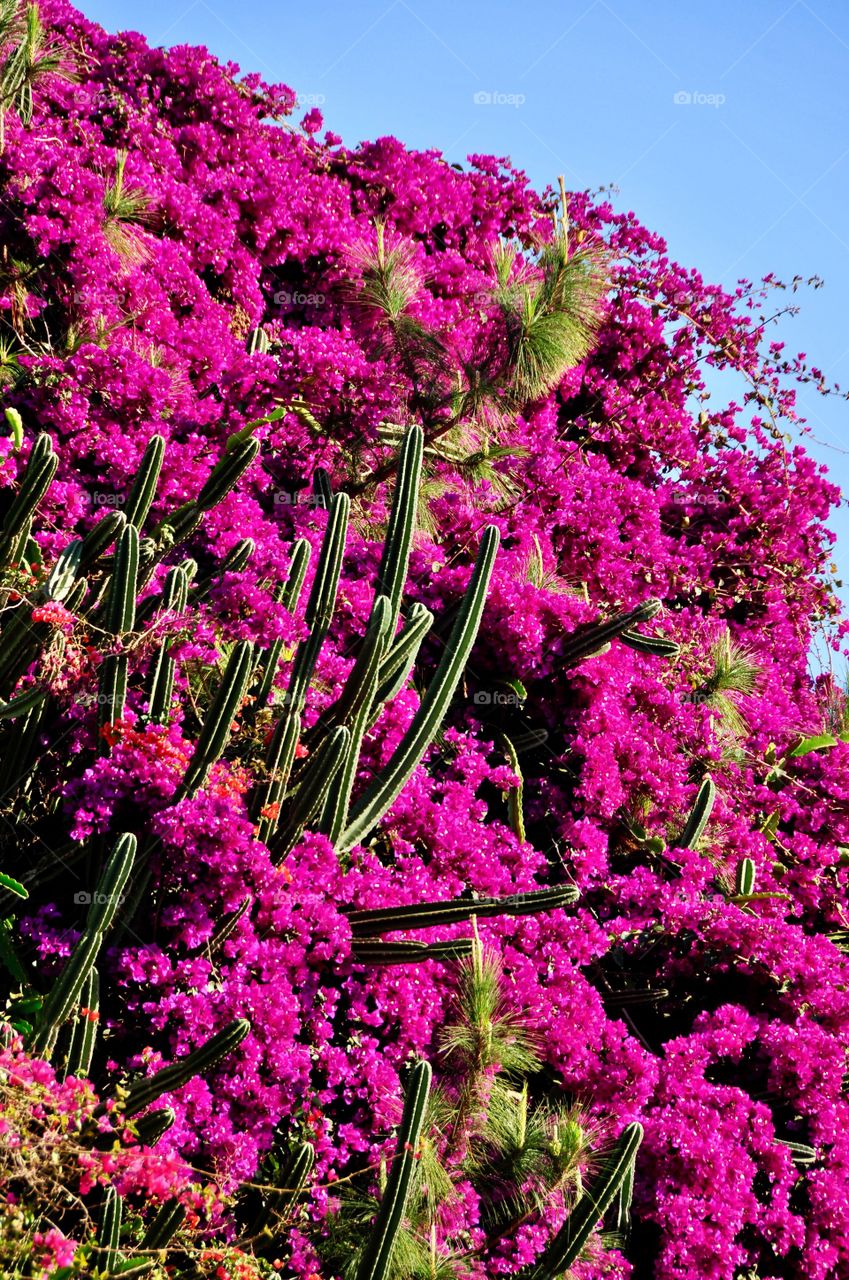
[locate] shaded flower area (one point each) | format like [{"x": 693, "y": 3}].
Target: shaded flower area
[{"x": 424, "y": 842}]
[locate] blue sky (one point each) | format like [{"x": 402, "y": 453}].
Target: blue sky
[{"x": 748, "y": 174}]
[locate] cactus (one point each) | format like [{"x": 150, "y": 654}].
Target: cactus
[
  {"x": 428, "y": 915},
  {"x": 36, "y": 480},
  {"x": 744, "y": 881},
  {"x": 371, "y": 807},
  {"x": 279, "y": 759},
  {"x": 141, "y": 495},
  {"x": 151, "y": 1127},
  {"x": 312, "y": 791},
  {"x": 565, "y": 1248},
  {"x": 110, "y": 1229},
  {"x": 289, "y": 595},
  {"x": 64, "y": 572},
  {"x": 142, "y": 1093},
  {"x": 695, "y": 825},
  {"x": 515, "y": 795},
  {"x": 26, "y": 701},
  {"x": 321, "y": 602},
  {"x": 160, "y": 680},
  {"x": 374, "y": 951},
  {"x": 624, "y": 1196},
  {"x": 257, "y": 341},
  {"x": 800, "y": 1153},
  {"x": 377, "y": 1257},
  {"x": 400, "y": 656},
  {"x": 164, "y": 1226},
  {"x": 66, "y": 992},
  {"x": 100, "y": 537},
  {"x": 234, "y": 562},
  {"x": 217, "y": 725},
  {"x": 353, "y": 709},
  {"x": 238, "y": 455},
  {"x": 281, "y": 1196},
  {"x": 596, "y": 636},
  {"x": 84, "y": 1029},
  {"x": 658, "y": 646},
  {"x": 119, "y": 618},
  {"x": 392, "y": 574}
]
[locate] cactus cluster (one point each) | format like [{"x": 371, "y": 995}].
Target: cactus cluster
[{"x": 101, "y": 577}]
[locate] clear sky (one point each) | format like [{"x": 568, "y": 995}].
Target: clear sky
[{"x": 723, "y": 124}]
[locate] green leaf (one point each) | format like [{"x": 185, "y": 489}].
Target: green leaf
[
  {"x": 14, "y": 886},
  {"x": 820, "y": 742}
]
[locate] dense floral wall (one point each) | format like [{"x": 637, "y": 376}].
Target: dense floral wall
[{"x": 158, "y": 211}]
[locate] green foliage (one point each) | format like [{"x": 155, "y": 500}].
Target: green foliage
[
  {"x": 567, "y": 1246},
  {"x": 734, "y": 674},
  {"x": 481, "y": 1124}
]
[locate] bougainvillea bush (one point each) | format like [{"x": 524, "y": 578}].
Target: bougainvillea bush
[{"x": 378, "y": 537}]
